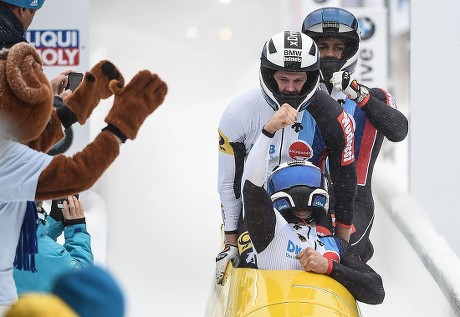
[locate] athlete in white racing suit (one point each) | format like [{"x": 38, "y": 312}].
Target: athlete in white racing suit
[
  {"x": 322, "y": 130},
  {"x": 282, "y": 221}
]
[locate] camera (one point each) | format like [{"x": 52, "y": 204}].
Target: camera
[
  {"x": 59, "y": 203},
  {"x": 73, "y": 80}
]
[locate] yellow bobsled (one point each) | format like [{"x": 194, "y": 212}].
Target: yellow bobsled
[{"x": 266, "y": 293}]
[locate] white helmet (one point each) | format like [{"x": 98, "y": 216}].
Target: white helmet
[{"x": 292, "y": 52}]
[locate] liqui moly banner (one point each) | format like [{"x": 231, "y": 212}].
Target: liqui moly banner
[
  {"x": 62, "y": 38},
  {"x": 372, "y": 69},
  {"x": 60, "y": 33},
  {"x": 57, "y": 47}
]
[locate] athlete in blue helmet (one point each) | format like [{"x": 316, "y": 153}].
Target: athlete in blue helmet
[
  {"x": 281, "y": 220},
  {"x": 336, "y": 32},
  {"x": 289, "y": 77}
]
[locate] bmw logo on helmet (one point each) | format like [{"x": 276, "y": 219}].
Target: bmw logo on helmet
[{"x": 367, "y": 28}]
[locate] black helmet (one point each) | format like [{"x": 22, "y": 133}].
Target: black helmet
[
  {"x": 339, "y": 23},
  {"x": 292, "y": 52},
  {"x": 299, "y": 184}
]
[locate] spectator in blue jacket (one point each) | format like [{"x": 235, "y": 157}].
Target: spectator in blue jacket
[{"x": 53, "y": 258}]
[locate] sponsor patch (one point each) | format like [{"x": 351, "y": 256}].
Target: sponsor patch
[
  {"x": 292, "y": 249},
  {"x": 224, "y": 144},
  {"x": 390, "y": 100},
  {"x": 244, "y": 242},
  {"x": 348, "y": 156},
  {"x": 300, "y": 151}
]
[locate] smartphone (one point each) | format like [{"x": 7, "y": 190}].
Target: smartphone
[{"x": 73, "y": 80}]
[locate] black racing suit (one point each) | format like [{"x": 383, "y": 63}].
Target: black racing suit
[{"x": 376, "y": 119}]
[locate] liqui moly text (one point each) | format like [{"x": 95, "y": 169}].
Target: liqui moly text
[{"x": 56, "y": 47}]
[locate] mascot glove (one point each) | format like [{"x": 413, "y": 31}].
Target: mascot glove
[
  {"x": 229, "y": 253},
  {"x": 94, "y": 87},
  {"x": 135, "y": 102},
  {"x": 342, "y": 82}
]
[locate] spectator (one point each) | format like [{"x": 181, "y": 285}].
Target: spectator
[
  {"x": 15, "y": 18},
  {"x": 54, "y": 258},
  {"x": 89, "y": 292}
]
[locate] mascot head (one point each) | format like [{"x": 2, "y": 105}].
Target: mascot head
[{"x": 26, "y": 96}]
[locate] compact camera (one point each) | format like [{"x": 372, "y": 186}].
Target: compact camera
[{"x": 60, "y": 202}]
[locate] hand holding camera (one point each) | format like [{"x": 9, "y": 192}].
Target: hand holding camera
[{"x": 68, "y": 210}]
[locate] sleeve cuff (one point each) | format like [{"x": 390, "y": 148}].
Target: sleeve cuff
[
  {"x": 343, "y": 226},
  {"x": 268, "y": 134},
  {"x": 364, "y": 102},
  {"x": 330, "y": 265}
]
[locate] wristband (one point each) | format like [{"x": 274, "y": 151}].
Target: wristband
[
  {"x": 342, "y": 225},
  {"x": 363, "y": 96},
  {"x": 329, "y": 266},
  {"x": 116, "y": 131},
  {"x": 268, "y": 134},
  {"x": 72, "y": 222}
]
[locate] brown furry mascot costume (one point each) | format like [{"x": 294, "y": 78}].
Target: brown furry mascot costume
[{"x": 29, "y": 126}]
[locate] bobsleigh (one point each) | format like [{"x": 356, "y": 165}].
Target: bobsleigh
[{"x": 276, "y": 293}]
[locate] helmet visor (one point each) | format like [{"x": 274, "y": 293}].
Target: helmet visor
[
  {"x": 286, "y": 178},
  {"x": 284, "y": 201}
]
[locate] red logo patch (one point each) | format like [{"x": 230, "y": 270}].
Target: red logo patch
[
  {"x": 346, "y": 121},
  {"x": 300, "y": 151}
]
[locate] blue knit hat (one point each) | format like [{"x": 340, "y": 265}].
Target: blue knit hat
[
  {"x": 28, "y": 4},
  {"x": 91, "y": 292}
]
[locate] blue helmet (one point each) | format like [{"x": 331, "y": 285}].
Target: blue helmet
[
  {"x": 338, "y": 23},
  {"x": 292, "y": 52},
  {"x": 299, "y": 184}
]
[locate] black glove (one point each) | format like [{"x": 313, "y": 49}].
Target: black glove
[{"x": 56, "y": 212}]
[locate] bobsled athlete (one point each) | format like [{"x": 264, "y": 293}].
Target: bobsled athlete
[
  {"x": 374, "y": 110},
  {"x": 281, "y": 220},
  {"x": 289, "y": 75}
]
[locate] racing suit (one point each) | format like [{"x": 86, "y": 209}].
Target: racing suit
[
  {"x": 276, "y": 242},
  {"x": 376, "y": 119},
  {"x": 327, "y": 132}
]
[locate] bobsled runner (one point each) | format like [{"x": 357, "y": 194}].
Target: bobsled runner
[{"x": 276, "y": 293}]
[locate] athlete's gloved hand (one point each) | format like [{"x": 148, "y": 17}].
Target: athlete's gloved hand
[
  {"x": 342, "y": 81},
  {"x": 229, "y": 253}
]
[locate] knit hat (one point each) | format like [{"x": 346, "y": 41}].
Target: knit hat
[
  {"x": 91, "y": 292},
  {"x": 40, "y": 305},
  {"x": 28, "y": 4}
]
